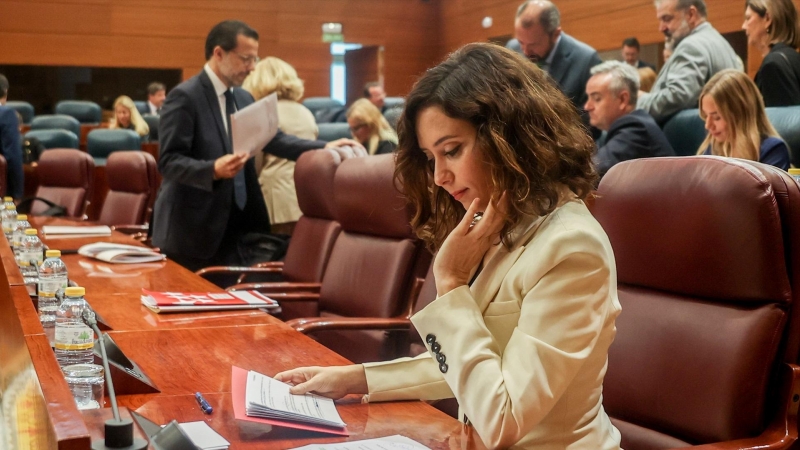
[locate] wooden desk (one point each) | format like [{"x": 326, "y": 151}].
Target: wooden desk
[{"x": 186, "y": 353}]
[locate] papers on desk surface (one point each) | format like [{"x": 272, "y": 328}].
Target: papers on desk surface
[
  {"x": 203, "y": 436},
  {"x": 120, "y": 253},
  {"x": 205, "y": 301},
  {"x": 254, "y": 126},
  {"x": 57, "y": 231},
  {"x": 303, "y": 412},
  {"x": 395, "y": 442}
]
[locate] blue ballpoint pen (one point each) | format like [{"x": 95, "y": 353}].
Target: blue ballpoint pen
[{"x": 203, "y": 403}]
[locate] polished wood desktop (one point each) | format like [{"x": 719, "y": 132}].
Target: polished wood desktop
[{"x": 185, "y": 353}]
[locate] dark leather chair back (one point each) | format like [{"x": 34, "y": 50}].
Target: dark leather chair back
[
  {"x": 704, "y": 248},
  {"x": 56, "y": 122},
  {"x": 66, "y": 177},
  {"x": 392, "y": 115},
  {"x": 132, "y": 183},
  {"x": 332, "y": 131},
  {"x": 372, "y": 265},
  {"x": 315, "y": 104},
  {"x": 24, "y": 109},
  {"x": 54, "y": 138},
  {"x": 317, "y": 229},
  {"x": 84, "y": 111},
  {"x": 152, "y": 123},
  {"x": 394, "y": 102},
  {"x": 141, "y": 106},
  {"x": 685, "y": 131},
  {"x": 102, "y": 142},
  {"x": 786, "y": 120}
]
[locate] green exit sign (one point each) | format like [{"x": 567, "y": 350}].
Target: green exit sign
[{"x": 332, "y": 37}]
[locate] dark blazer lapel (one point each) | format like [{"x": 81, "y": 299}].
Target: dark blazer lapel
[
  {"x": 560, "y": 66},
  {"x": 213, "y": 105}
]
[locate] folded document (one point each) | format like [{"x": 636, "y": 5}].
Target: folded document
[
  {"x": 120, "y": 253},
  {"x": 205, "y": 301}
]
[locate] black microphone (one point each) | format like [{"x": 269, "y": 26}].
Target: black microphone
[{"x": 118, "y": 431}]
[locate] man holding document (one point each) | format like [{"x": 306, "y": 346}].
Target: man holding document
[{"x": 210, "y": 196}]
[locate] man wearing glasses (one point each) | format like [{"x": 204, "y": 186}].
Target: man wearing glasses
[{"x": 209, "y": 197}]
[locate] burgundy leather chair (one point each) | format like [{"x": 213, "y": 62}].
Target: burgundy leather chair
[
  {"x": 374, "y": 262},
  {"x": 707, "y": 252},
  {"x": 312, "y": 239},
  {"x": 66, "y": 177},
  {"x": 132, "y": 183}
]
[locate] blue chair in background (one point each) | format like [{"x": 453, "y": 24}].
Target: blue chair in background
[
  {"x": 102, "y": 142},
  {"x": 54, "y": 138},
  {"x": 332, "y": 131},
  {"x": 141, "y": 106},
  {"x": 56, "y": 122},
  {"x": 24, "y": 109},
  {"x": 84, "y": 111},
  {"x": 152, "y": 122},
  {"x": 393, "y": 102},
  {"x": 786, "y": 120},
  {"x": 325, "y": 109},
  {"x": 685, "y": 131},
  {"x": 392, "y": 115}
]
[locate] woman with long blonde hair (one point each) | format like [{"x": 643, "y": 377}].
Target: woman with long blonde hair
[
  {"x": 127, "y": 117},
  {"x": 738, "y": 127},
  {"x": 368, "y": 126}
]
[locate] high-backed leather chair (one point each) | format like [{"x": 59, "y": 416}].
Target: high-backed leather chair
[
  {"x": 56, "y": 122},
  {"x": 102, "y": 142},
  {"x": 24, "y": 109},
  {"x": 786, "y": 120},
  {"x": 132, "y": 178},
  {"x": 152, "y": 123},
  {"x": 374, "y": 263},
  {"x": 85, "y": 111},
  {"x": 66, "y": 177},
  {"x": 332, "y": 131},
  {"x": 392, "y": 115},
  {"x": 54, "y": 138},
  {"x": 707, "y": 252},
  {"x": 685, "y": 131},
  {"x": 141, "y": 106},
  {"x": 313, "y": 237},
  {"x": 394, "y": 102},
  {"x": 314, "y": 104}
]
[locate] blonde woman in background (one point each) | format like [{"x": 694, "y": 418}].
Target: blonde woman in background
[
  {"x": 647, "y": 78},
  {"x": 276, "y": 175},
  {"x": 737, "y": 124},
  {"x": 368, "y": 126},
  {"x": 127, "y": 117}
]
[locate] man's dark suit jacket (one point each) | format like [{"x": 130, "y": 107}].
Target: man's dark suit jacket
[
  {"x": 570, "y": 68},
  {"x": 634, "y": 135},
  {"x": 192, "y": 209},
  {"x": 11, "y": 147},
  {"x": 640, "y": 64}
]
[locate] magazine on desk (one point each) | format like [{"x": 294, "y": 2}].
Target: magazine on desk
[
  {"x": 120, "y": 253},
  {"x": 205, "y": 301}
]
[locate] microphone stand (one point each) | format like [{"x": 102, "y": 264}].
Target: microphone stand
[{"x": 118, "y": 431}]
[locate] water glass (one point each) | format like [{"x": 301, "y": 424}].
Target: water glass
[{"x": 86, "y": 383}]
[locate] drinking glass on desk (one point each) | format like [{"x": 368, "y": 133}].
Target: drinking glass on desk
[{"x": 86, "y": 383}]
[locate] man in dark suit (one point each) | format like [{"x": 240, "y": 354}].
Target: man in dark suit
[
  {"x": 631, "y": 133},
  {"x": 537, "y": 28},
  {"x": 209, "y": 196},
  {"x": 630, "y": 54},
  {"x": 10, "y": 144}
]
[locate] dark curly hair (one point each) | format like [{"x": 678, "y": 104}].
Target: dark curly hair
[{"x": 530, "y": 137}]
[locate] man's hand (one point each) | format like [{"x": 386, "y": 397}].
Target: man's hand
[
  {"x": 357, "y": 148},
  {"x": 227, "y": 166}
]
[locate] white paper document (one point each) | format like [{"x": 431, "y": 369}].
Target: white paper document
[
  {"x": 395, "y": 442},
  {"x": 203, "y": 436},
  {"x": 255, "y": 125},
  {"x": 271, "y": 399},
  {"x": 53, "y": 230},
  {"x": 120, "y": 253}
]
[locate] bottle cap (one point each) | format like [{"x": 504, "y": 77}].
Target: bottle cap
[
  {"x": 794, "y": 171},
  {"x": 31, "y": 232},
  {"x": 53, "y": 253},
  {"x": 11, "y": 207},
  {"x": 8, "y": 199},
  {"x": 22, "y": 217},
  {"x": 75, "y": 292}
]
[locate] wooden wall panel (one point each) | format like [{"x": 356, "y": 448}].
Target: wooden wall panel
[{"x": 158, "y": 34}]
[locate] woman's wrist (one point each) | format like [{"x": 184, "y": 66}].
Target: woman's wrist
[
  {"x": 358, "y": 379},
  {"x": 447, "y": 285}
]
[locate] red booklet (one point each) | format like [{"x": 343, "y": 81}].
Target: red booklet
[{"x": 205, "y": 301}]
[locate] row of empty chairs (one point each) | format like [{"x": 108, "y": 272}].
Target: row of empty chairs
[
  {"x": 66, "y": 177},
  {"x": 83, "y": 111}
]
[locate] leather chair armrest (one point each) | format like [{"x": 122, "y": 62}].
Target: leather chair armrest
[
  {"x": 315, "y": 324},
  {"x": 290, "y": 297},
  {"x": 270, "y": 264},
  {"x": 278, "y": 287},
  {"x": 782, "y": 432},
  {"x": 242, "y": 271}
]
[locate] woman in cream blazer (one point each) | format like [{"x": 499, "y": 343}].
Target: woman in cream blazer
[{"x": 525, "y": 277}]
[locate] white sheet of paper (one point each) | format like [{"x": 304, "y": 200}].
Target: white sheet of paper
[
  {"x": 267, "y": 392},
  {"x": 254, "y": 126},
  {"x": 395, "y": 442},
  {"x": 100, "y": 230},
  {"x": 203, "y": 436}
]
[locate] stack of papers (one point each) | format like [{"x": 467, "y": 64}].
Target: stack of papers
[
  {"x": 395, "y": 442},
  {"x": 120, "y": 253},
  {"x": 205, "y": 301},
  {"x": 203, "y": 436},
  {"x": 271, "y": 399},
  {"x": 56, "y": 232}
]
